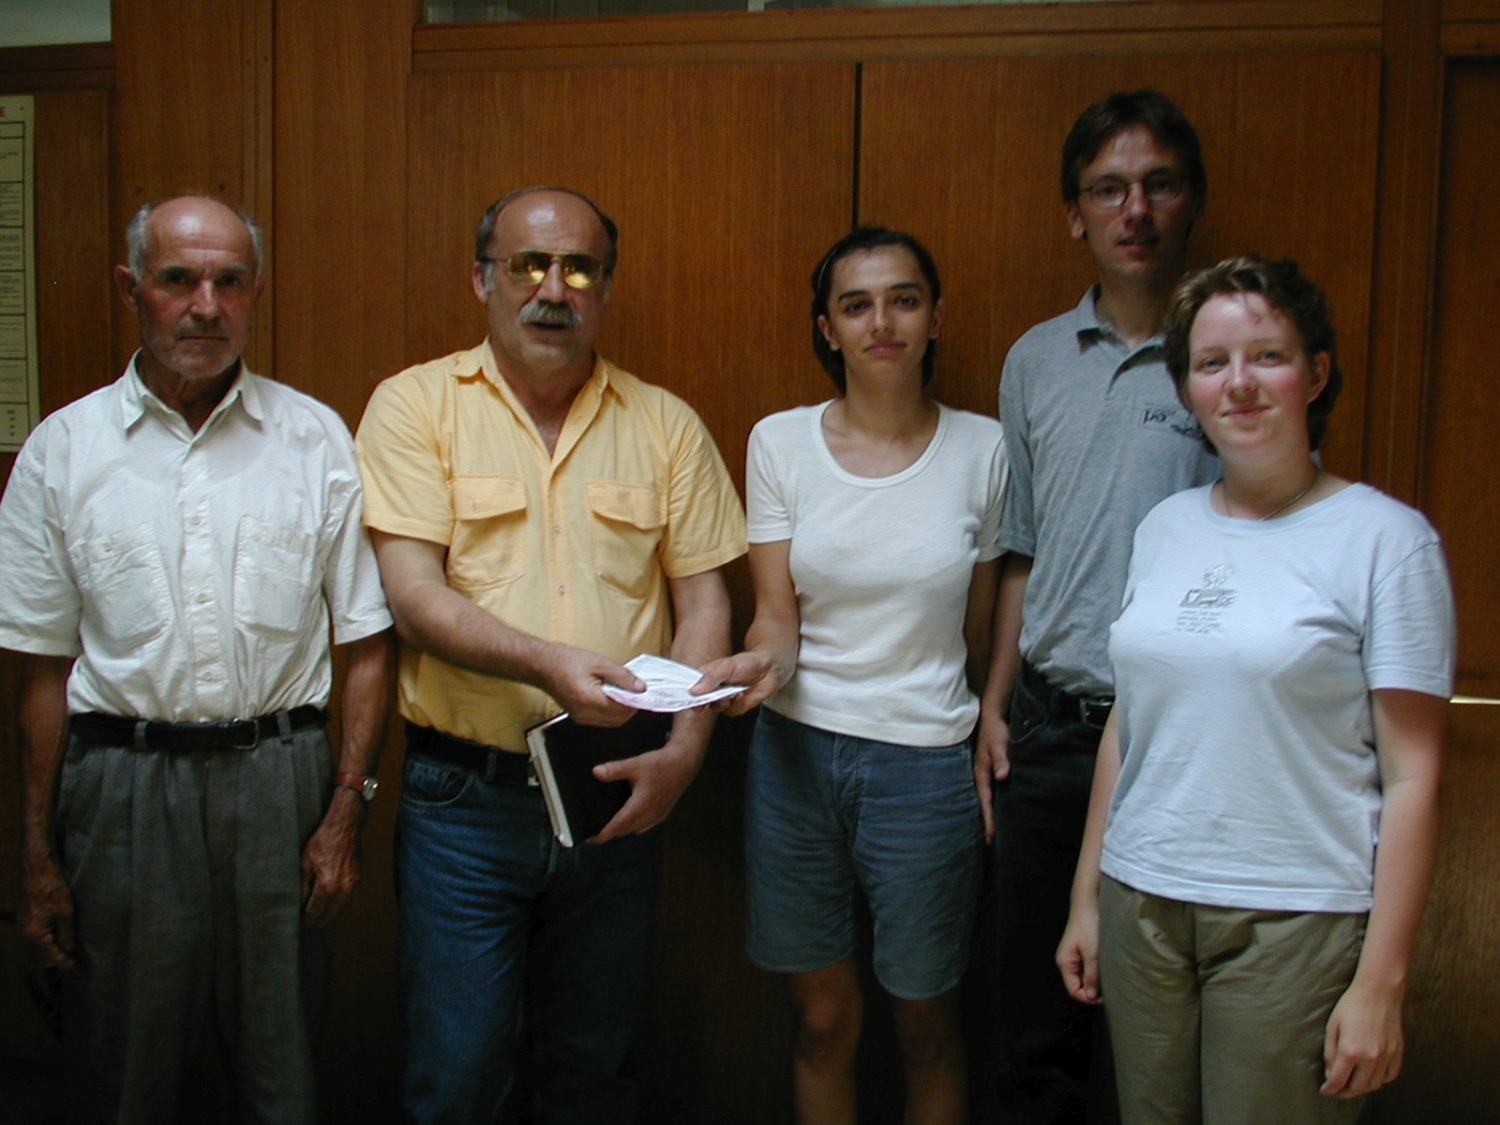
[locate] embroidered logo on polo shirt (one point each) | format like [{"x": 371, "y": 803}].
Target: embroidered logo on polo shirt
[{"x": 1173, "y": 418}]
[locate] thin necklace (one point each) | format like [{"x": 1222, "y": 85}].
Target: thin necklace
[{"x": 1269, "y": 515}]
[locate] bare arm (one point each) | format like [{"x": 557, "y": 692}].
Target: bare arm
[
  {"x": 979, "y": 617},
  {"x": 700, "y": 606},
  {"x": 47, "y": 912},
  {"x": 992, "y": 749},
  {"x": 979, "y": 639},
  {"x": 774, "y": 636},
  {"x": 1363, "y": 1045},
  {"x": 436, "y": 618},
  {"x": 330, "y": 861},
  {"x": 1078, "y": 952}
]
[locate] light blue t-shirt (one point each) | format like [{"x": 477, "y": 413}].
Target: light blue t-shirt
[{"x": 1244, "y": 661}]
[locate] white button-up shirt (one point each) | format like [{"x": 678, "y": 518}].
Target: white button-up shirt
[{"x": 193, "y": 575}]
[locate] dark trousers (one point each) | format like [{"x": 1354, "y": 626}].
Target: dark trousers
[
  {"x": 186, "y": 880},
  {"x": 1046, "y": 1042}
]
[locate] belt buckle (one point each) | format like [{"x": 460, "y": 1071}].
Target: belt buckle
[
  {"x": 1094, "y": 713},
  {"x": 228, "y": 726}
]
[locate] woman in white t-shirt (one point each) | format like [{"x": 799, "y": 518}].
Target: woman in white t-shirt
[
  {"x": 1263, "y": 824},
  {"x": 874, "y": 523}
]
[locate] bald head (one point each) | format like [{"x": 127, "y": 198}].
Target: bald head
[
  {"x": 138, "y": 233},
  {"x": 486, "y": 233}
]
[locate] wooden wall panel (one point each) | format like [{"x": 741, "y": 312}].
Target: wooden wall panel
[
  {"x": 1463, "y": 414},
  {"x": 880, "y": 31},
  {"x": 965, "y": 154},
  {"x": 340, "y": 191},
  {"x": 186, "y": 114},
  {"x": 338, "y": 304},
  {"x": 1453, "y": 1005},
  {"x": 75, "y": 66},
  {"x": 727, "y": 183},
  {"x": 1411, "y": 116}
]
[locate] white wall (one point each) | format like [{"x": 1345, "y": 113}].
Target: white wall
[{"x": 33, "y": 23}]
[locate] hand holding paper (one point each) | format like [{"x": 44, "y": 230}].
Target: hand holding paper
[{"x": 667, "y": 684}]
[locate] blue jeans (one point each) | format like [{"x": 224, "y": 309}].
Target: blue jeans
[
  {"x": 1047, "y": 1039},
  {"x": 493, "y": 909}
]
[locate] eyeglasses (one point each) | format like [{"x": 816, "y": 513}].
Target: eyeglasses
[
  {"x": 1107, "y": 195},
  {"x": 529, "y": 267}
]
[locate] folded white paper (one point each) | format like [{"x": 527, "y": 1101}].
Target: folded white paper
[{"x": 667, "y": 684}]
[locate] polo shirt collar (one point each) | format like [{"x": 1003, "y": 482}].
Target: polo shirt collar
[
  {"x": 1091, "y": 326},
  {"x": 1087, "y": 313}
]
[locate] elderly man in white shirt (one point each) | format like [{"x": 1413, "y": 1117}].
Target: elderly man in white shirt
[{"x": 174, "y": 548}]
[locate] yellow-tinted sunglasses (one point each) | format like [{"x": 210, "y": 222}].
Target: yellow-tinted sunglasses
[{"x": 529, "y": 267}]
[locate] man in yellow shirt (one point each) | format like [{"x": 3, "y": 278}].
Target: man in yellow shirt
[{"x": 540, "y": 516}]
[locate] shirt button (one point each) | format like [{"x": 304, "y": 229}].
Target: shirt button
[
  {"x": 203, "y": 599},
  {"x": 557, "y": 529},
  {"x": 562, "y": 589}
]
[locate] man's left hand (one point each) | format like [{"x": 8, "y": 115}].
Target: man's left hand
[
  {"x": 657, "y": 779},
  {"x": 330, "y": 862}
]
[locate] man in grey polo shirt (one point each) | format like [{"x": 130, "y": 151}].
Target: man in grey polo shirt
[{"x": 1096, "y": 438}]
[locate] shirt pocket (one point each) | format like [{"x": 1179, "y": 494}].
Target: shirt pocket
[
  {"x": 124, "y": 586},
  {"x": 488, "y": 548},
  {"x": 275, "y": 590},
  {"x": 627, "y": 526}
]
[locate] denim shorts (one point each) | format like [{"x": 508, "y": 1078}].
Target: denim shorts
[{"x": 828, "y": 816}]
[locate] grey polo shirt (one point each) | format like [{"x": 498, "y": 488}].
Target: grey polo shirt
[{"x": 1096, "y": 438}]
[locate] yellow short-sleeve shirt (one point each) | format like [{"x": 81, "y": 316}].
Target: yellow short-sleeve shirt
[{"x": 574, "y": 546}]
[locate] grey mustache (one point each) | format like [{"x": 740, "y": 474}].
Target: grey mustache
[{"x": 554, "y": 314}]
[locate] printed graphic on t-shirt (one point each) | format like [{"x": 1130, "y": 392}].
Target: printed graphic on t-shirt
[
  {"x": 1202, "y": 607},
  {"x": 1173, "y": 418}
]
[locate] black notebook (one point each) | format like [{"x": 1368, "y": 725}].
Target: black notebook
[{"x": 563, "y": 756}]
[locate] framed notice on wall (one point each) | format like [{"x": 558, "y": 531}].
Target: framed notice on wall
[{"x": 20, "y": 408}]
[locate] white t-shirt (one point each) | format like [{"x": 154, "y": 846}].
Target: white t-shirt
[
  {"x": 1244, "y": 660},
  {"x": 882, "y": 567}
]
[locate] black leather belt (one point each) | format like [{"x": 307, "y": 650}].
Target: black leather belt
[
  {"x": 229, "y": 734},
  {"x": 489, "y": 762},
  {"x": 1090, "y": 710}
]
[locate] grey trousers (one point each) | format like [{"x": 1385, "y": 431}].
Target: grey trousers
[
  {"x": 185, "y": 870},
  {"x": 1217, "y": 1015}
]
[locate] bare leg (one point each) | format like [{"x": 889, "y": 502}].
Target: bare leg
[
  {"x": 829, "y": 1011},
  {"x": 933, "y": 1048}
]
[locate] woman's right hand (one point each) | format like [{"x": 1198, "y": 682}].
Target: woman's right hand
[
  {"x": 1078, "y": 954},
  {"x": 991, "y": 763},
  {"x": 758, "y": 671}
]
